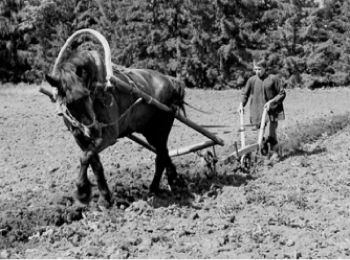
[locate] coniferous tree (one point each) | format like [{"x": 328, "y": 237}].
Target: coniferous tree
[
  {"x": 207, "y": 43},
  {"x": 14, "y": 41},
  {"x": 201, "y": 66}
]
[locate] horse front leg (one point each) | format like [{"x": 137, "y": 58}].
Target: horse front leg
[
  {"x": 90, "y": 157},
  {"x": 83, "y": 193},
  {"x": 105, "y": 194}
]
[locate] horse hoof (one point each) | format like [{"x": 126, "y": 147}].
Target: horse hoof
[
  {"x": 179, "y": 181},
  {"x": 103, "y": 203},
  {"x": 83, "y": 194},
  {"x": 153, "y": 191}
]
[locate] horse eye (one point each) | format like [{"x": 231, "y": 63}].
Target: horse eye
[{"x": 79, "y": 72}]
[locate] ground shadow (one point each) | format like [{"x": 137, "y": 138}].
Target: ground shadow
[
  {"x": 17, "y": 225},
  {"x": 302, "y": 152},
  {"x": 194, "y": 181}
]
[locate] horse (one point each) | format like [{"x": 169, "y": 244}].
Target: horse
[{"x": 97, "y": 115}]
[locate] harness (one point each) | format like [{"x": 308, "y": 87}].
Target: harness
[{"x": 85, "y": 129}]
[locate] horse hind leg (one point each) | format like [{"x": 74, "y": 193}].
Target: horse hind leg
[
  {"x": 163, "y": 161},
  {"x": 158, "y": 138},
  {"x": 171, "y": 172},
  {"x": 159, "y": 168}
]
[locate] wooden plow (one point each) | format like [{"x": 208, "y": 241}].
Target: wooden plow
[{"x": 243, "y": 154}]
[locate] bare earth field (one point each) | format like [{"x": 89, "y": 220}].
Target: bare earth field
[{"x": 298, "y": 207}]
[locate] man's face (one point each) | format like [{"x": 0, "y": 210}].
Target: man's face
[{"x": 259, "y": 71}]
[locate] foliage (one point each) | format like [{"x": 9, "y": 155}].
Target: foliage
[{"x": 207, "y": 43}]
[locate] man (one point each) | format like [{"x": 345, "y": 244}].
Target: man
[{"x": 264, "y": 90}]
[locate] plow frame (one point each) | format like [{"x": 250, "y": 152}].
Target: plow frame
[{"x": 242, "y": 154}]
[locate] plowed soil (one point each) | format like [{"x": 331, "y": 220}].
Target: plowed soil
[{"x": 298, "y": 207}]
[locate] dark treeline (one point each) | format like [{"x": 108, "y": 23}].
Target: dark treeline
[{"x": 208, "y": 43}]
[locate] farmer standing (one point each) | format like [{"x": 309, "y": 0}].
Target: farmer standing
[{"x": 265, "y": 90}]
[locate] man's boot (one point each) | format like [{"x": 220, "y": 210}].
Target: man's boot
[
  {"x": 264, "y": 150},
  {"x": 275, "y": 154}
]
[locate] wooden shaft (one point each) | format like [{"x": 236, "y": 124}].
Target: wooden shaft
[
  {"x": 191, "y": 148},
  {"x": 142, "y": 142},
  {"x": 47, "y": 93},
  {"x": 262, "y": 128},
  {"x": 241, "y": 152},
  {"x": 199, "y": 129},
  {"x": 140, "y": 93},
  {"x": 175, "y": 152},
  {"x": 241, "y": 117},
  {"x": 236, "y": 149}
]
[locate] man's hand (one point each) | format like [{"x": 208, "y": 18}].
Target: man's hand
[
  {"x": 267, "y": 105},
  {"x": 240, "y": 109}
]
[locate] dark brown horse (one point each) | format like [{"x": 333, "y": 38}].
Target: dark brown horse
[{"x": 98, "y": 115}]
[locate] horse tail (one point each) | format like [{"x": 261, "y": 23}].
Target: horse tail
[
  {"x": 179, "y": 95},
  {"x": 179, "y": 100}
]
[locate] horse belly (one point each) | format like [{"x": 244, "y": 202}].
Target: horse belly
[{"x": 137, "y": 120}]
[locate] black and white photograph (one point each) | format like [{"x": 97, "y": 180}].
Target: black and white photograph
[{"x": 186, "y": 129}]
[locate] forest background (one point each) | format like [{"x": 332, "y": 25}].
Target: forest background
[{"x": 207, "y": 43}]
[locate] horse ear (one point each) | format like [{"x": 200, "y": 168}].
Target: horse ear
[{"x": 53, "y": 80}]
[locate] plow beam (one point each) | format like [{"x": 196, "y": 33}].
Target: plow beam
[
  {"x": 191, "y": 148},
  {"x": 243, "y": 151},
  {"x": 141, "y": 142},
  {"x": 176, "y": 152},
  {"x": 199, "y": 129}
]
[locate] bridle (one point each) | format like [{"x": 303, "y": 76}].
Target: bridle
[{"x": 86, "y": 129}]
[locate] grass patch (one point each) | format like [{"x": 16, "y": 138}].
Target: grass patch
[{"x": 295, "y": 139}]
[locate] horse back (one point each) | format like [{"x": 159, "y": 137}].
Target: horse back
[{"x": 165, "y": 89}]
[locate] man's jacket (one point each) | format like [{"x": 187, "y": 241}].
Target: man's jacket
[{"x": 260, "y": 91}]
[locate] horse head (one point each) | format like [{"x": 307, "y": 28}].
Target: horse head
[{"x": 75, "y": 79}]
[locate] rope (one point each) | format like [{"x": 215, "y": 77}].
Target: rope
[{"x": 123, "y": 115}]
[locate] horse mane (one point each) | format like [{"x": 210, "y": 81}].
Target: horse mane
[
  {"x": 72, "y": 65},
  {"x": 66, "y": 71}
]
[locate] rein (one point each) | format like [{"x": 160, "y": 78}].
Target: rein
[
  {"x": 82, "y": 127},
  {"x": 75, "y": 123},
  {"x": 86, "y": 128}
]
